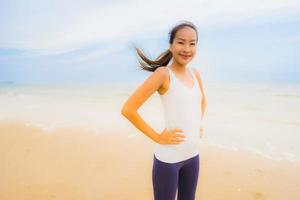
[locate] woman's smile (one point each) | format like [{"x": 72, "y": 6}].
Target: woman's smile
[{"x": 185, "y": 57}]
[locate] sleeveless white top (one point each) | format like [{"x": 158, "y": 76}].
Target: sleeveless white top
[{"x": 182, "y": 109}]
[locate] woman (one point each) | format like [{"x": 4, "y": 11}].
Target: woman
[{"x": 176, "y": 150}]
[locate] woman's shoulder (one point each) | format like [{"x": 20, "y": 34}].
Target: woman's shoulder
[
  {"x": 196, "y": 71},
  {"x": 162, "y": 71},
  {"x": 159, "y": 76}
]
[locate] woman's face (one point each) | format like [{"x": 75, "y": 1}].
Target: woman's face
[{"x": 184, "y": 44}]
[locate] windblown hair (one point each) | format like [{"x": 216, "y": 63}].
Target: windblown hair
[{"x": 164, "y": 58}]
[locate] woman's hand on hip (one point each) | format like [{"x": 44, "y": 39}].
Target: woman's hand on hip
[{"x": 170, "y": 136}]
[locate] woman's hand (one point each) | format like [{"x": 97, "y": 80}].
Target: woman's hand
[
  {"x": 201, "y": 131},
  {"x": 170, "y": 136}
]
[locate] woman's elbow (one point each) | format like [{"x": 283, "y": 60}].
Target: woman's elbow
[{"x": 126, "y": 111}]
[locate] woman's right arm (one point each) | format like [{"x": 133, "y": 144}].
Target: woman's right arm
[{"x": 131, "y": 106}]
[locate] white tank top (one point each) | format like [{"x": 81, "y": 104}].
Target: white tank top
[{"x": 182, "y": 109}]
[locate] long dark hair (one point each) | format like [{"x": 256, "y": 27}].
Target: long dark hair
[{"x": 164, "y": 58}]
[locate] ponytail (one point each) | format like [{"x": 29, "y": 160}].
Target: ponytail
[{"x": 149, "y": 65}]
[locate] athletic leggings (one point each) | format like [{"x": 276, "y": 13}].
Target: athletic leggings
[{"x": 166, "y": 177}]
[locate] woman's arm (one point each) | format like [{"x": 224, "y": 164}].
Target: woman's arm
[
  {"x": 131, "y": 106},
  {"x": 203, "y": 101}
]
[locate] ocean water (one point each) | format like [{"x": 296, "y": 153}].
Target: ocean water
[{"x": 263, "y": 118}]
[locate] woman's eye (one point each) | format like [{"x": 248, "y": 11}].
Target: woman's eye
[{"x": 182, "y": 43}]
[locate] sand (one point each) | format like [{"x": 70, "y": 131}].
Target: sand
[{"x": 73, "y": 163}]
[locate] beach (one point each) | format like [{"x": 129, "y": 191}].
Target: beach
[
  {"x": 71, "y": 142},
  {"x": 75, "y": 163},
  {"x": 67, "y": 70}
]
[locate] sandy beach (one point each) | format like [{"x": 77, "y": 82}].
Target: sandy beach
[{"x": 73, "y": 163}]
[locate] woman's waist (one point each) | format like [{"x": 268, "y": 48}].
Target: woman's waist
[
  {"x": 191, "y": 135},
  {"x": 189, "y": 127},
  {"x": 188, "y": 144},
  {"x": 183, "y": 119}
]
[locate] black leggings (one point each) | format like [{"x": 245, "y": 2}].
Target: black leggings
[{"x": 167, "y": 176}]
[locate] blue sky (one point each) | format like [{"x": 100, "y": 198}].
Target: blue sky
[{"x": 68, "y": 41}]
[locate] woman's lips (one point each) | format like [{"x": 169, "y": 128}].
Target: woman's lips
[{"x": 185, "y": 57}]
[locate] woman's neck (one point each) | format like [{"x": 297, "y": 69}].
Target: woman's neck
[{"x": 177, "y": 67}]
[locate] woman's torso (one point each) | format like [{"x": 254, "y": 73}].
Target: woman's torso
[{"x": 181, "y": 108}]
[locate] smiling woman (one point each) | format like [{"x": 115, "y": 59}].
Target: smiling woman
[
  {"x": 176, "y": 151},
  {"x": 164, "y": 58}
]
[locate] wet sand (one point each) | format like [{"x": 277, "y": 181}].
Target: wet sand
[{"x": 73, "y": 163}]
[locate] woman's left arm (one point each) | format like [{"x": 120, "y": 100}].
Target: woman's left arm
[{"x": 203, "y": 100}]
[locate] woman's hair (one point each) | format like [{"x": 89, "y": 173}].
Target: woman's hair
[{"x": 164, "y": 58}]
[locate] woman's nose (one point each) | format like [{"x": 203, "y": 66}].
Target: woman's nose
[{"x": 186, "y": 49}]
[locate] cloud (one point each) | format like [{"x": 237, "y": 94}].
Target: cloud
[{"x": 60, "y": 26}]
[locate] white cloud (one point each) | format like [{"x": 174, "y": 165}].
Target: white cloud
[{"x": 62, "y": 26}]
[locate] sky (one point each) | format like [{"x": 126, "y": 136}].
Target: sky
[{"x": 89, "y": 42}]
